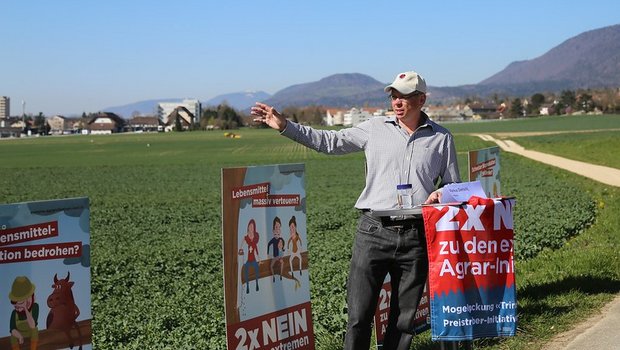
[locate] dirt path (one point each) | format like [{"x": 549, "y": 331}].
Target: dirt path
[
  {"x": 504, "y": 135},
  {"x": 603, "y": 174},
  {"x": 600, "y": 331}
]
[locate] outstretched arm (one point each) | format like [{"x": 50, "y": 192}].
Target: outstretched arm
[{"x": 343, "y": 141}]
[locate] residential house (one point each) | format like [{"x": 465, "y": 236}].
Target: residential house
[
  {"x": 351, "y": 117},
  {"x": 334, "y": 116},
  {"x": 105, "y": 123},
  {"x": 59, "y": 125},
  {"x": 79, "y": 125},
  {"x": 547, "y": 109},
  {"x": 183, "y": 116},
  {"x": 442, "y": 113},
  {"x": 15, "y": 127},
  {"x": 486, "y": 110},
  {"x": 7, "y": 131},
  {"x": 144, "y": 123},
  {"x": 17, "y": 123},
  {"x": 11, "y": 127},
  {"x": 356, "y": 116},
  {"x": 165, "y": 109}
]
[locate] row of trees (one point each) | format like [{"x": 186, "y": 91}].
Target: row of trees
[
  {"x": 222, "y": 117},
  {"x": 565, "y": 102},
  {"x": 226, "y": 117},
  {"x": 306, "y": 115}
]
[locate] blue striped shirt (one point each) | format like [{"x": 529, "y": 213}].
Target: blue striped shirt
[{"x": 392, "y": 156}]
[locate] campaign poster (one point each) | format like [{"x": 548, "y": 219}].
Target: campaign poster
[
  {"x": 265, "y": 242},
  {"x": 422, "y": 320},
  {"x": 471, "y": 269},
  {"x": 45, "y": 269},
  {"x": 484, "y": 167}
]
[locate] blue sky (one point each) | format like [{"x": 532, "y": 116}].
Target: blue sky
[{"x": 67, "y": 57}]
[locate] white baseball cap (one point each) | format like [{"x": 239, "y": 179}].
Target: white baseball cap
[{"x": 407, "y": 82}]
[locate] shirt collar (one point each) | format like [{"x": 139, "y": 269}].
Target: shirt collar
[{"x": 426, "y": 121}]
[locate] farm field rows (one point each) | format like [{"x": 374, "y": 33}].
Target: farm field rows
[{"x": 156, "y": 230}]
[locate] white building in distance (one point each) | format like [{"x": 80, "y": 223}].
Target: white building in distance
[
  {"x": 335, "y": 118},
  {"x": 356, "y": 116},
  {"x": 164, "y": 109},
  {"x": 58, "y": 125},
  {"x": 5, "y": 107},
  {"x": 351, "y": 117}
]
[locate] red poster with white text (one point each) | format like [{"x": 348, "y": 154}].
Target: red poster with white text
[{"x": 471, "y": 269}]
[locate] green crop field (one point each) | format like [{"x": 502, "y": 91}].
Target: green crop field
[
  {"x": 597, "y": 147},
  {"x": 156, "y": 231},
  {"x": 539, "y": 124}
]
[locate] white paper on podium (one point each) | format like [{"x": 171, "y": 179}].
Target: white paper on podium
[{"x": 461, "y": 192}]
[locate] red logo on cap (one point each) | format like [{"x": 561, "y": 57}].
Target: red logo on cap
[{"x": 402, "y": 75}]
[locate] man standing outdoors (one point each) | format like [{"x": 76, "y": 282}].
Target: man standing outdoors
[{"x": 407, "y": 148}]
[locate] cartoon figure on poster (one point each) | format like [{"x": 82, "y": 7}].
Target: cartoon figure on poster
[
  {"x": 295, "y": 242},
  {"x": 251, "y": 241},
  {"x": 25, "y": 316},
  {"x": 63, "y": 310},
  {"x": 276, "y": 245}
]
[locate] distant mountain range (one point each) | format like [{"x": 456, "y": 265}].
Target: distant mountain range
[
  {"x": 339, "y": 90},
  {"x": 588, "y": 60},
  {"x": 239, "y": 100},
  {"x": 147, "y": 107}
]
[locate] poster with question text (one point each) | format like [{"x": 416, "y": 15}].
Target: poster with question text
[
  {"x": 45, "y": 269},
  {"x": 266, "y": 279}
]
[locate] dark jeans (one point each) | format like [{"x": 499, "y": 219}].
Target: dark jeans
[{"x": 397, "y": 248}]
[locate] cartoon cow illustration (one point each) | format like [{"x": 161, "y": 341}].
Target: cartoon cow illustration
[{"x": 63, "y": 311}]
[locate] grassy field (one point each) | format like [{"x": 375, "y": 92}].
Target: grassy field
[
  {"x": 592, "y": 139},
  {"x": 540, "y": 124},
  {"x": 597, "y": 147},
  {"x": 156, "y": 231}
]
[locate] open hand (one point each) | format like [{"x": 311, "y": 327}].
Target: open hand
[{"x": 268, "y": 115}]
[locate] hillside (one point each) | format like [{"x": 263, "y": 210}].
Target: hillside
[
  {"x": 238, "y": 100},
  {"x": 588, "y": 60},
  {"x": 147, "y": 107},
  {"x": 341, "y": 90}
]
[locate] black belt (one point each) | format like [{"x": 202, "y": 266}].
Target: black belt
[{"x": 395, "y": 221}]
